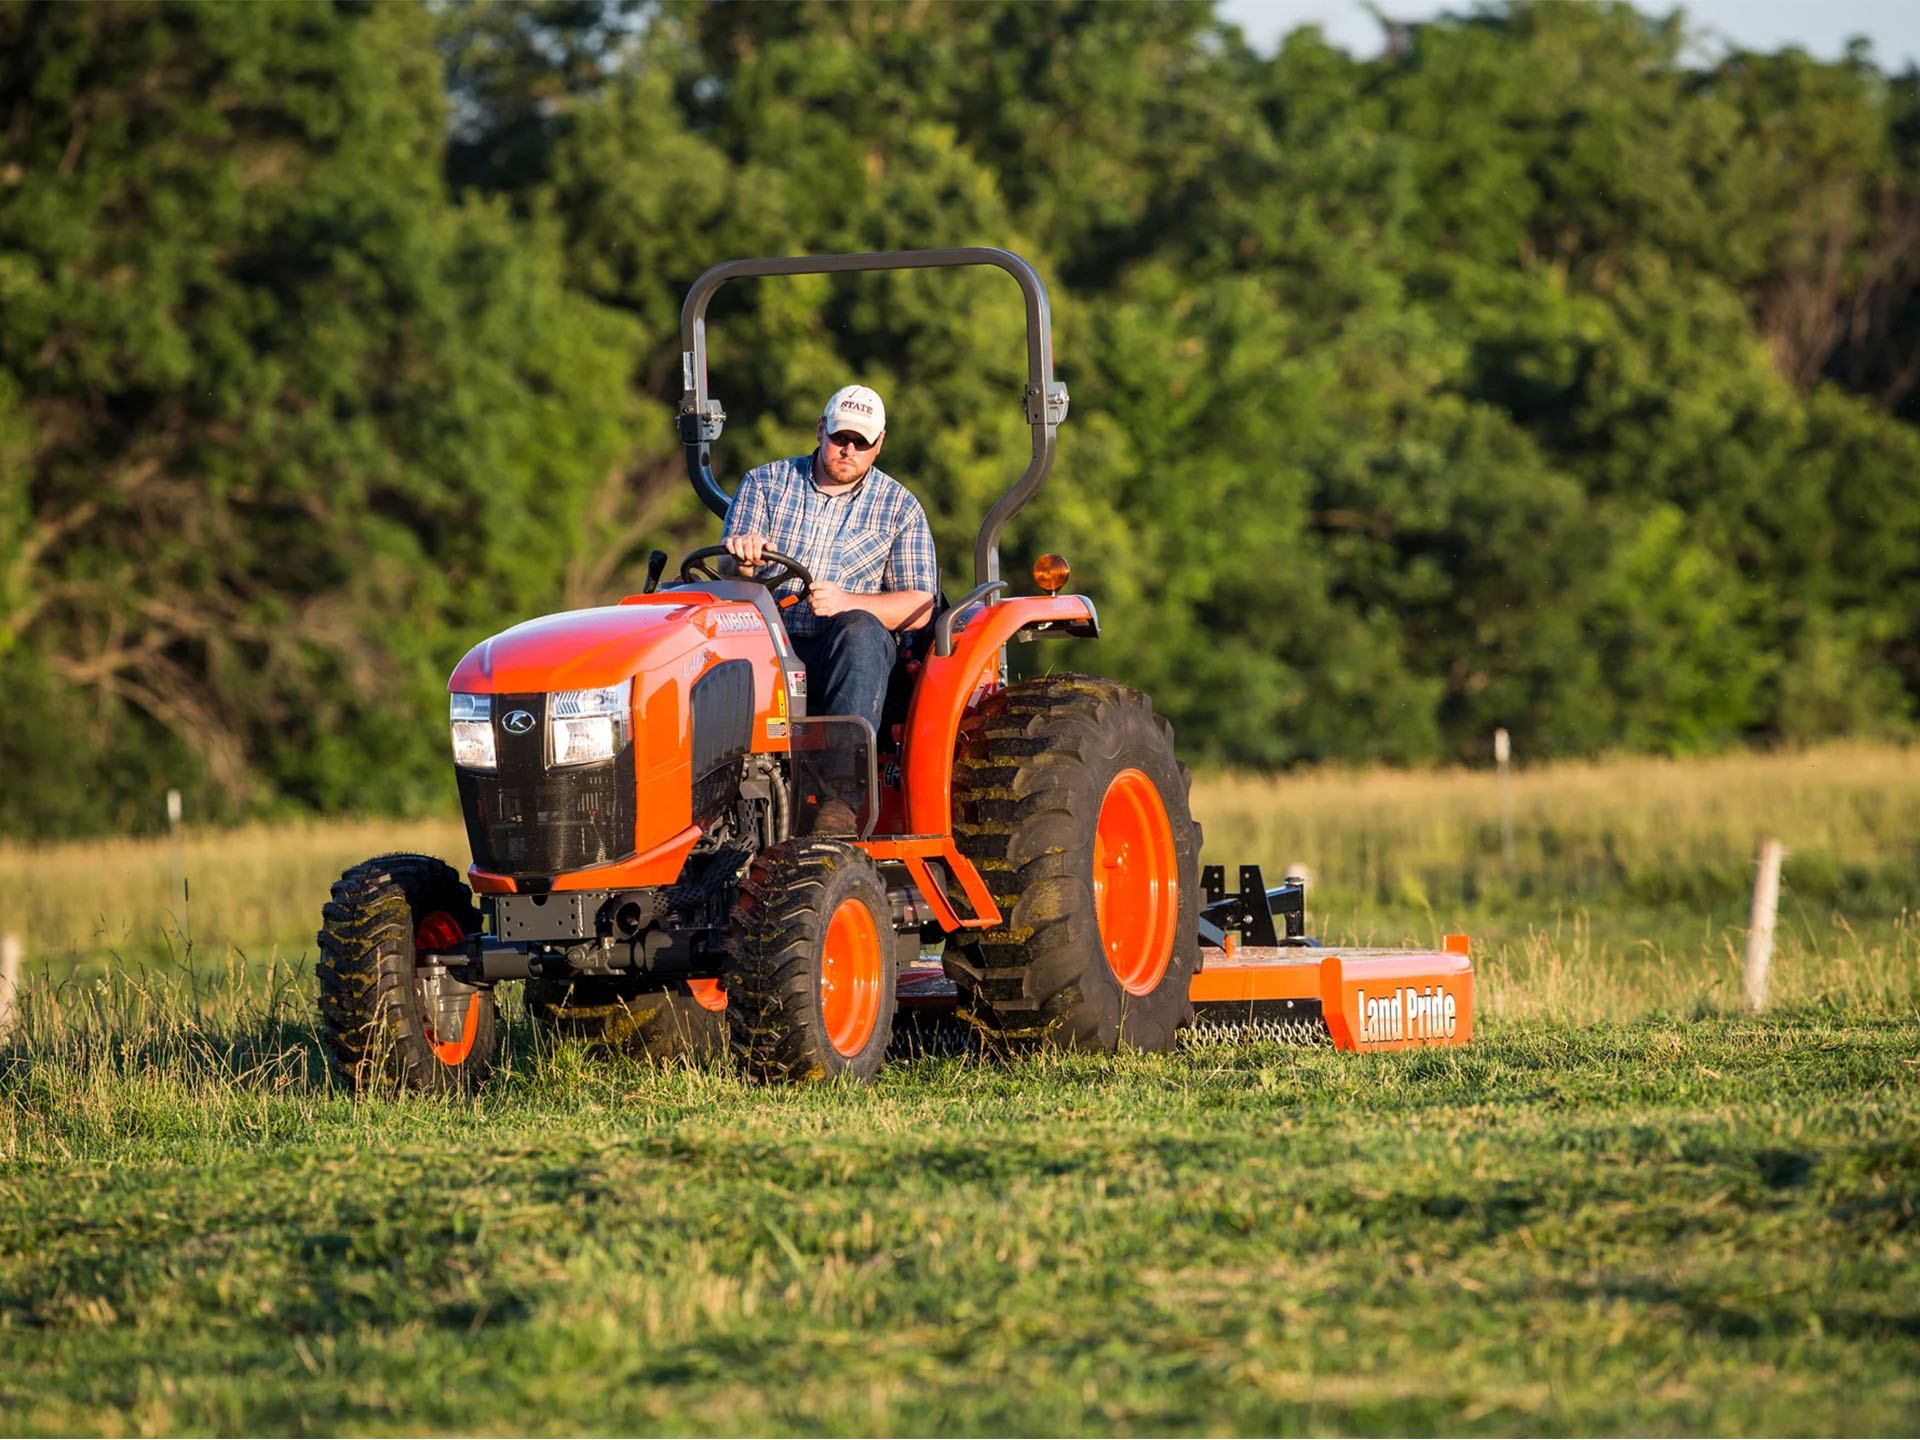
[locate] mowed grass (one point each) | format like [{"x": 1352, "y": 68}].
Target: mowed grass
[
  {"x": 1666, "y": 1226},
  {"x": 1628, "y": 1207}
]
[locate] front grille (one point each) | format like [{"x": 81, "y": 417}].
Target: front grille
[
  {"x": 528, "y": 821},
  {"x": 722, "y": 704}
]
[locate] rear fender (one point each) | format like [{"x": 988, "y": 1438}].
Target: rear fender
[{"x": 951, "y": 685}]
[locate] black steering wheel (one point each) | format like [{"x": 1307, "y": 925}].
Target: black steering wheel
[{"x": 773, "y": 570}]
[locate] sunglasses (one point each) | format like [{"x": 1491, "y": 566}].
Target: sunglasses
[{"x": 847, "y": 440}]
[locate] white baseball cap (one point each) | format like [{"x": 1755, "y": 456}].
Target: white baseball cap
[{"x": 856, "y": 408}]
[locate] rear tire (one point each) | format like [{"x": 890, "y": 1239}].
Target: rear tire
[
  {"x": 1068, "y": 798},
  {"x": 375, "y": 1014},
  {"x": 629, "y": 1017},
  {"x": 810, "y": 975}
]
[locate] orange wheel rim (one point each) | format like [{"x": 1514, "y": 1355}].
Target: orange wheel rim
[
  {"x": 850, "y": 978},
  {"x": 1136, "y": 882},
  {"x": 709, "y": 994}
]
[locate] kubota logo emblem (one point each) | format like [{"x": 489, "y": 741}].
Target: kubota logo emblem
[{"x": 517, "y": 722}]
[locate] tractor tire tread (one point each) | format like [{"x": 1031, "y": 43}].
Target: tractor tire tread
[
  {"x": 364, "y": 966},
  {"x": 1032, "y": 762},
  {"x": 779, "y": 921}
]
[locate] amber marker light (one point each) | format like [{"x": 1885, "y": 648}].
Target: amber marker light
[{"x": 1051, "y": 572}]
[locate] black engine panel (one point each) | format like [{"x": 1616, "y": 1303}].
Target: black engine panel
[{"x": 528, "y": 821}]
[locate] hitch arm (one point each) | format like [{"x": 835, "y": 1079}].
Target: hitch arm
[{"x": 1252, "y": 912}]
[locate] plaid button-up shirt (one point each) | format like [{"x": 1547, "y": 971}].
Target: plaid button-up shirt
[{"x": 871, "y": 539}]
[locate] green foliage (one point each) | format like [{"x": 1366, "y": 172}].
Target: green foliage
[
  {"x": 1536, "y": 374},
  {"x": 263, "y": 380}
]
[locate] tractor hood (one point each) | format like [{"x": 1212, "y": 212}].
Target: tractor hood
[{"x": 579, "y": 649}]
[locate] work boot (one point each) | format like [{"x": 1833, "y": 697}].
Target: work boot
[{"x": 832, "y": 816}]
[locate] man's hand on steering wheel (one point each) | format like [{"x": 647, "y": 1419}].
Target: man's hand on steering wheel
[
  {"x": 772, "y": 569},
  {"x": 747, "y": 549}
]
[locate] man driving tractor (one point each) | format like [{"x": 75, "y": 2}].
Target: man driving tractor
[
  {"x": 863, "y": 537},
  {"x": 650, "y": 798}
]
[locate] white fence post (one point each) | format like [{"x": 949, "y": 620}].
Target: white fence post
[
  {"x": 9, "y": 981},
  {"x": 1502, "y": 753},
  {"x": 178, "y": 893},
  {"x": 1766, "y": 903}
]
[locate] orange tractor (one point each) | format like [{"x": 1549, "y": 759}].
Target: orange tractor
[{"x": 637, "y": 779}]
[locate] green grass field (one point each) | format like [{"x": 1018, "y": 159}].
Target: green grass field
[{"x": 1628, "y": 1207}]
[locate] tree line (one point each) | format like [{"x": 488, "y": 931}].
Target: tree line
[{"x": 1550, "y": 371}]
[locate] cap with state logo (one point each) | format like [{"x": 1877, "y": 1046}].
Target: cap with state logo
[{"x": 856, "y": 408}]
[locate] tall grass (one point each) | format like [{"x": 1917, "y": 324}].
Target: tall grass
[
  {"x": 1628, "y": 888},
  {"x": 1626, "y": 1208},
  {"x": 1653, "y": 831},
  {"x": 1626, "y": 895},
  {"x": 111, "y": 903},
  {"x": 1562, "y": 975}
]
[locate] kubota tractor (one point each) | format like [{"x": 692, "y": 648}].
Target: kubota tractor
[{"x": 638, "y": 779}]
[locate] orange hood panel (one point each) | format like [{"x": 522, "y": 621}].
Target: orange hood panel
[{"x": 578, "y": 649}]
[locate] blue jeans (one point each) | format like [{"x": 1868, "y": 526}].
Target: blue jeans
[{"x": 849, "y": 662}]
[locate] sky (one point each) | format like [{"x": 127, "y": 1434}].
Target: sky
[{"x": 1822, "y": 29}]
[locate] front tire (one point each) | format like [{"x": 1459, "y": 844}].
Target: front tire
[
  {"x": 381, "y": 1015},
  {"x": 1068, "y": 797},
  {"x": 811, "y": 970}
]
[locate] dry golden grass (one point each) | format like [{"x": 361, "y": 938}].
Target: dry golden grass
[
  {"x": 1626, "y": 894},
  {"x": 255, "y": 889},
  {"x": 1860, "y": 802}
]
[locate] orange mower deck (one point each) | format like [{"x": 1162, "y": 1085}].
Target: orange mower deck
[
  {"x": 1261, "y": 978},
  {"x": 1351, "y": 998}
]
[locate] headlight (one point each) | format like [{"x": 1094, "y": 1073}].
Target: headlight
[
  {"x": 588, "y": 725},
  {"x": 473, "y": 732}
]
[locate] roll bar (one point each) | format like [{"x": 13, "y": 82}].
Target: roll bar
[{"x": 701, "y": 418}]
